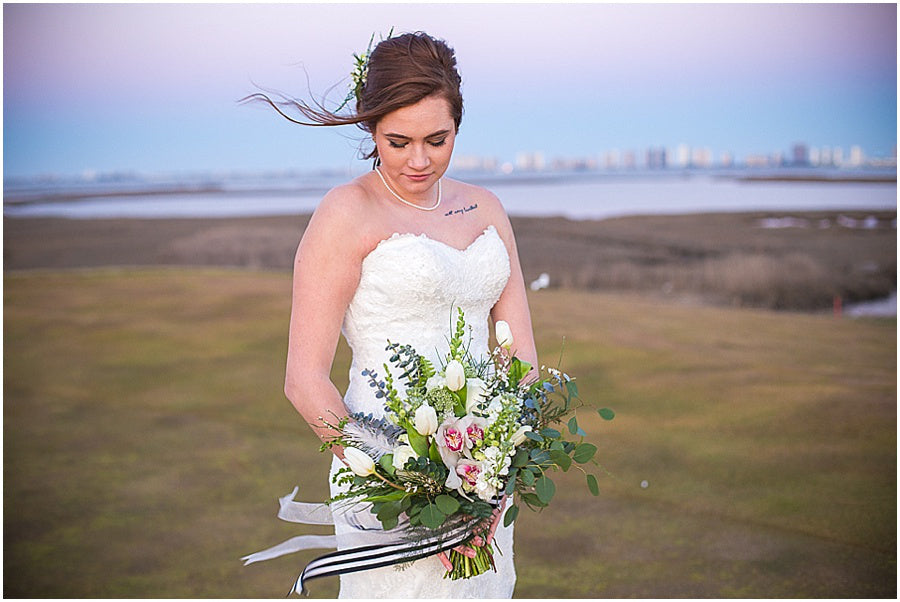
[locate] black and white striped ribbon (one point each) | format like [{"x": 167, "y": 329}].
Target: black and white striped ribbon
[{"x": 380, "y": 555}]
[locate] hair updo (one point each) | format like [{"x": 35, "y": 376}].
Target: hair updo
[{"x": 402, "y": 71}]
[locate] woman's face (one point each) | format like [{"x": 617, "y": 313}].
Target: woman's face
[{"x": 415, "y": 144}]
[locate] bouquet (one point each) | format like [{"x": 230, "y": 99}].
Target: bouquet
[{"x": 457, "y": 442}]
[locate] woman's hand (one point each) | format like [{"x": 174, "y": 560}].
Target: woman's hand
[{"x": 478, "y": 541}]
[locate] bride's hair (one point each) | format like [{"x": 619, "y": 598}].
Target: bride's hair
[{"x": 402, "y": 71}]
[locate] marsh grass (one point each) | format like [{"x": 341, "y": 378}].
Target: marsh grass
[{"x": 146, "y": 441}]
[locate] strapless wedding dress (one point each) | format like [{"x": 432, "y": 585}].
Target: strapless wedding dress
[{"x": 409, "y": 288}]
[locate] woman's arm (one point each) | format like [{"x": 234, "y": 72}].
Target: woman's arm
[
  {"x": 326, "y": 275},
  {"x": 512, "y": 307}
]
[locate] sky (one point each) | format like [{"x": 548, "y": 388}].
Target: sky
[{"x": 153, "y": 88}]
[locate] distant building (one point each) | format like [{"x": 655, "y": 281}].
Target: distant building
[
  {"x": 857, "y": 158},
  {"x": 629, "y": 160},
  {"x": 814, "y": 158},
  {"x": 611, "y": 159},
  {"x": 656, "y": 158},
  {"x": 799, "y": 154},
  {"x": 726, "y": 160},
  {"x": 682, "y": 155},
  {"x": 701, "y": 157},
  {"x": 530, "y": 161},
  {"x": 837, "y": 156}
]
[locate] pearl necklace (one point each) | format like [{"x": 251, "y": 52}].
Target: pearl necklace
[{"x": 404, "y": 201}]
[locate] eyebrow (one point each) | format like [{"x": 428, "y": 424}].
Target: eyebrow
[{"x": 402, "y": 137}]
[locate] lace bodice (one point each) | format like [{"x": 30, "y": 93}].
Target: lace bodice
[{"x": 409, "y": 288}]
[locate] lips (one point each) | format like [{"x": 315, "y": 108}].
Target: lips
[{"x": 417, "y": 178}]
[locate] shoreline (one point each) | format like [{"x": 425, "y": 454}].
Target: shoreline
[{"x": 800, "y": 263}]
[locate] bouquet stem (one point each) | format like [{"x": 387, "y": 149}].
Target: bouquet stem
[{"x": 465, "y": 567}]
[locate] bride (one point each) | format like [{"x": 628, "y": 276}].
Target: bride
[{"x": 391, "y": 255}]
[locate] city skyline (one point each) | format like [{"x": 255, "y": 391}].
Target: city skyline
[{"x": 153, "y": 88}]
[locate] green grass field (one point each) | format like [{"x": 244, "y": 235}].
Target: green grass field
[{"x": 147, "y": 438}]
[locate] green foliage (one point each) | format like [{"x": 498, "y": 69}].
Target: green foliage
[
  {"x": 431, "y": 516},
  {"x": 511, "y": 513},
  {"x": 584, "y": 452},
  {"x": 446, "y": 504}
]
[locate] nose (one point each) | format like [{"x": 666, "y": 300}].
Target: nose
[{"x": 418, "y": 157}]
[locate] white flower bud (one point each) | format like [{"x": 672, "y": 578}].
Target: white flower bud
[
  {"x": 519, "y": 437},
  {"x": 359, "y": 461},
  {"x": 425, "y": 420},
  {"x": 504, "y": 334},
  {"x": 455, "y": 375},
  {"x": 474, "y": 393}
]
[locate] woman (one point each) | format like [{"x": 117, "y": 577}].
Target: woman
[{"x": 391, "y": 255}]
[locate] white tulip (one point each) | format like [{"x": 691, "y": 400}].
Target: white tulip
[
  {"x": 519, "y": 437},
  {"x": 425, "y": 420},
  {"x": 474, "y": 393},
  {"x": 455, "y": 375},
  {"x": 402, "y": 454},
  {"x": 504, "y": 334},
  {"x": 359, "y": 461}
]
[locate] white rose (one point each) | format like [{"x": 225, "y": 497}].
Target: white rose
[
  {"x": 425, "y": 420},
  {"x": 504, "y": 334},
  {"x": 519, "y": 437},
  {"x": 402, "y": 454},
  {"x": 455, "y": 375},
  {"x": 474, "y": 393},
  {"x": 359, "y": 461},
  {"x": 435, "y": 382}
]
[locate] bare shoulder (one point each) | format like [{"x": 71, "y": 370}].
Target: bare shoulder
[
  {"x": 337, "y": 216},
  {"x": 489, "y": 206}
]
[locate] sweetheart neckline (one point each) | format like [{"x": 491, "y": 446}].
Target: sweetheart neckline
[{"x": 402, "y": 235}]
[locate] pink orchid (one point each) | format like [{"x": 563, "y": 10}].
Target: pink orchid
[{"x": 469, "y": 472}]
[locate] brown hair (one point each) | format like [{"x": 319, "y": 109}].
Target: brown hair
[{"x": 402, "y": 71}]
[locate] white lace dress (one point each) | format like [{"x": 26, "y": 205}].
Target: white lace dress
[{"x": 409, "y": 289}]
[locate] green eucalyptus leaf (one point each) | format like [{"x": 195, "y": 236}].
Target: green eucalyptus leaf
[
  {"x": 534, "y": 436},
  {"x": 387, "y": 463},
  {"x": 545, "y": 489},
  {"x": 592, "y": 484},
  {"x": 573, "y": 425},
  {"x": 431, "y": 516},
  {"x": 572, "y": 388},
  {"x": 606, "y": 413},
  {"x": 540, "y": 456},
  {"x": 561, "y": 459},
  {"x": 511, "y": 484},
  {"x": 520, "y": 459},
  {"x": 510, "y": 515},
  {"x": 550, "y": 433},
  {"x": 389, "y": 523},
  {"x": 584, "y": 452},
  {"x": 446, "y": 504},
  {"x": 533, "y": 500},
  {"x": 528, "y": 477}
]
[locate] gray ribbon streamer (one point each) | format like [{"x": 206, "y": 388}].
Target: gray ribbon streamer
[
  {"x": 298, "y": 512},
  {"x": 294, "y": 544},
  {"x": 303, "y": 512}
]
